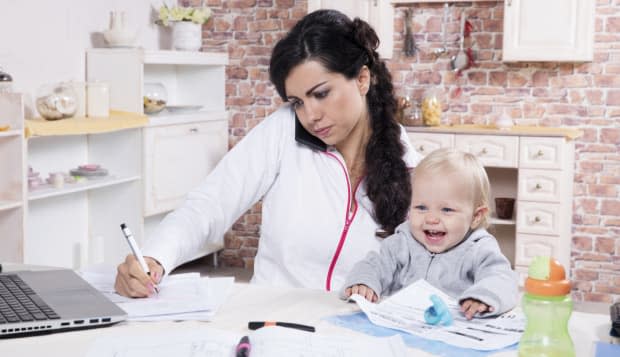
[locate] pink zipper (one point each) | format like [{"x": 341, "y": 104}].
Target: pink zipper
[{"x": 347, "y": 223}]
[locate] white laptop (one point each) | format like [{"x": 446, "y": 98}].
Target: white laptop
[{"x": 38, "y": 302}]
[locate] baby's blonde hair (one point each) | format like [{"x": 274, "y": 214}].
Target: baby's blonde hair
[{"x": 465, "y": 165}]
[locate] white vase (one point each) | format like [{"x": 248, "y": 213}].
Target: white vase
[{"x": 186, "y": 36}]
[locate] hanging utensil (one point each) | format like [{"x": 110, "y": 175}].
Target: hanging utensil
[
  {"x": 460, "y": 60},
  {"x": 409, "y": 40},
  {"x": 444, "y": 49}
]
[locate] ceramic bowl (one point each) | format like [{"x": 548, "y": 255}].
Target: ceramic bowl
[{"x": 119, "y": 38}]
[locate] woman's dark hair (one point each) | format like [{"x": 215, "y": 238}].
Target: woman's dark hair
[{"x": 344, "y": 46}]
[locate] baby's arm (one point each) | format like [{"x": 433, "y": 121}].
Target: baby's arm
[
  {"x": 363, "y": 290},
  {"x": 495, "y": 283},
  {"x": 376, "y": 271}
]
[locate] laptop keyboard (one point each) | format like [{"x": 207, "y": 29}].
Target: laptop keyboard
[{"x": 18, "y": 302}]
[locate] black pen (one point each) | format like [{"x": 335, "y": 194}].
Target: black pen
[
  {"x": 243, "y": 347},
  {"x": 254, "y": 325}
]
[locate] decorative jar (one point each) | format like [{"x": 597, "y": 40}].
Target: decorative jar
[
  {"x": 431, "y": 108},
  {"x": 155, "y": 97},
  {"x": 186, "y": 36},
  {"x": 56, "y": 101}
]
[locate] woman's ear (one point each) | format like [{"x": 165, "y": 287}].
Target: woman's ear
[
  {"x": 363, "y": 80},
  {"x": 479, "y": 214}
]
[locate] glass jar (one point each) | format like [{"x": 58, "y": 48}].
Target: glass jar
[
  {"x": 431, "y": 108},
  {"x": 56, "y": 101},
  {"x": 155, "y": 98},
  {"x": 6, "y": 82},
  {"x": 97, "y": 100}
]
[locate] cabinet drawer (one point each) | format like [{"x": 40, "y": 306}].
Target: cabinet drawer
[
  {"x": 529, "y": 246},
  {"x": 425, "y": 143},
  {"x": 541, "y": 185},
  {"x": 538, "y": 218},
  {"x": 492, "y": 150},
  {"x": 542, "y": 153},
  {"x": 177, "y": 159}
]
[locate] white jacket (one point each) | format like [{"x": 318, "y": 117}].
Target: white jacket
[{"x": 307, "y": 238}]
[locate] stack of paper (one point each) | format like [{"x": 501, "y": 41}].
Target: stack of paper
[
  {"x": 180, "y": 297},
  {"x": 267, "y": 342},
  {"x": 405, "y": 311}
]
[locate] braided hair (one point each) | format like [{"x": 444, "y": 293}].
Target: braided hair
[{"x": 344, "y": 46}]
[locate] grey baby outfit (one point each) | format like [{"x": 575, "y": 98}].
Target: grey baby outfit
[{"x": 475, "y": 268}]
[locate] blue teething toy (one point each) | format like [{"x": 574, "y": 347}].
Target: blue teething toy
[{"x": 438, "y": 313}]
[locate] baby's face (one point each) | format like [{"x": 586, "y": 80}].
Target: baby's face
[{"x": 442, "y": 211}]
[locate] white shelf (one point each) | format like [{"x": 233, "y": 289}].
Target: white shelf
[
  {"x": 499, "y": 221},
  {"x": 10, "y": 133},
  {"x": 166, "y": 118},
  {"x": 185, "y": 57},
  {"x": 7, "y": 205},
  {"x": 46, "y": 191}
]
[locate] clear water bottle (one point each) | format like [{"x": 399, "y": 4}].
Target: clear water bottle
[{"x": 547, "y": 306}]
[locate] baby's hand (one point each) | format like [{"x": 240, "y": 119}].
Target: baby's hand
[
  {"x": 470, "y": 307},
  {"x": 363, "y": 290}
]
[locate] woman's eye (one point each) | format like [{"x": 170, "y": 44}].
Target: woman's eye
[
  {"x": 321, "y": 94},
  {"x": 296, "y": 104}
]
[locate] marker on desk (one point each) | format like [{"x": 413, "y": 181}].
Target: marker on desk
[
  {"x": 136, "y": 251},
  {"x": 243, "y": 347},
  {"x": 254, "y": 325}
]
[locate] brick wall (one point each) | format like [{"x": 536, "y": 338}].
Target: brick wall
[{"x": 581, "y": 95}]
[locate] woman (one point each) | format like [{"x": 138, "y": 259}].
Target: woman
[{"x": 331, "y": 167}]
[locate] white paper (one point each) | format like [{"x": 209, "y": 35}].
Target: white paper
[
  {"x": 265, "y": 342},
  {"x": 181, "y": 297},
  {"x": 405, "y": 311}
]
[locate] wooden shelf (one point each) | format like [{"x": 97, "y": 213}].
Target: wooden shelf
[
  {"x": 46, "y": 191},
  {"x": 10, "y": 133},
  {"x": 118, "y": 120}
]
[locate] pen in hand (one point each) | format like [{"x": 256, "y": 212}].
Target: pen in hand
[{"x": 136, "y": 251}]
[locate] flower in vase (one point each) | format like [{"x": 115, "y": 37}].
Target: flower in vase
[{"x": 198, "y": 15}]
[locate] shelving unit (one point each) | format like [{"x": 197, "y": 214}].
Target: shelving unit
[
  {"x": 179, "y": 148},
  {"x": 78, "y": 223},
  {"x": 13, "y": 179},
  {"x": 530, "y": 164}
]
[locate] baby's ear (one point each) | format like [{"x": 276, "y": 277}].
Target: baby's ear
[{"x": 479, "y": 214}]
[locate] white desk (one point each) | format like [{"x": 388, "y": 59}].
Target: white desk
[{"x": 252, "y": 302}]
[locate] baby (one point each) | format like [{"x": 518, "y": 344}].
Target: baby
[{"x": 444, "y": 241}]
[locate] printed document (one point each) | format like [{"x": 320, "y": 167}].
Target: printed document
[
  {"x": 405, "y": 311},
  {"x": 181, "y": 296}
]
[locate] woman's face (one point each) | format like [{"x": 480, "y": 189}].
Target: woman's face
[{"x": 328, "y": 105}]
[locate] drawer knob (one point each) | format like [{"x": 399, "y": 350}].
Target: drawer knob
[
  {"x": 421, "y": 148},
  {"x": 537, "y": 219},
  {"x": 538, "y": 186},
  {"x": 193, "y": 130},
  {"x": 484, "y": 151},
  {"x": 540, "y": 153}
]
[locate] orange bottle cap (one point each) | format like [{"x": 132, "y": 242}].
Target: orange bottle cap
[{"x": 546, "y": 277}]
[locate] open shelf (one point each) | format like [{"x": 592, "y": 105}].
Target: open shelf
[
  {"x": 7, "y": 205},
  {"x": 9, "y": 133},
  {"x": 47, "y": 191}
]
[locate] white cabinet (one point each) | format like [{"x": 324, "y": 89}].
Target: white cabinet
[
  {"x": 378, "y": 13},
  {"x": 549, "y": 30},
  {"x": 184, "y": 142},
  {"x": 535, "y": 168},
  {"x": 177, "y": 159},
  {"x": 12, "y": 177}
]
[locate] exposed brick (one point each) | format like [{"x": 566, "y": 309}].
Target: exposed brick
[
  {"x": 605, "y": 245},
  {"x": 582, "y": 243},
  {"x": 610, "y": 207}
]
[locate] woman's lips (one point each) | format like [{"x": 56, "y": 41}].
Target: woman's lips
[{"x": 322, "y": 133}]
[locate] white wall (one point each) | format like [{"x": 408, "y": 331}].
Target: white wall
[{"x": 44, "y": 41}]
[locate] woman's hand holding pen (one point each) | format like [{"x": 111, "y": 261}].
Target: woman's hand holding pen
[{"x": 132, "y": 281}]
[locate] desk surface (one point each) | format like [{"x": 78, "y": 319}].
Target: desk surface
[{"x": 252, "y": 302}]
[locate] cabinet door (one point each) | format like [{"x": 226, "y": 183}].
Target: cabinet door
[
  {"x": 549, "y": 30},
  {"x": 177, "y": 159},
  {"x": 425, "y": 143},
  {"x": 378, "y": 13}
]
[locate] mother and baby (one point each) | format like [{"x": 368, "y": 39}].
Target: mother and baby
[{"x": 347, "y": 204}]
